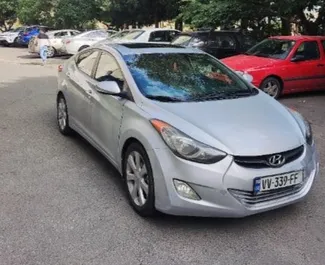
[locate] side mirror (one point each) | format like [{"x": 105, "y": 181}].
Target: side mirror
[
  {"x": 298, "y": 58},
  {"x": 110, "y": 88}
]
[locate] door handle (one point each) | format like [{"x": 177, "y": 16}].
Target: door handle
[{"x": 320, "y": 65}]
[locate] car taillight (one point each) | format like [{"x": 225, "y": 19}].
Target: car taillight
[
  {"x": 67, "y": 41},
  {"x": 60, "y": 68}
]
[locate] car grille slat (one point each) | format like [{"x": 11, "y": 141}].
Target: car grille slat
[
  {"x": 251, "y": 199},
  {"x": 262, "y": 161}
]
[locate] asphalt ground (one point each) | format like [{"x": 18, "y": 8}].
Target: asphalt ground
[{"x": 61, "y": 202}]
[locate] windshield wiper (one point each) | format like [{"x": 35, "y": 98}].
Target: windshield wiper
[
  {"x": 164, "y": 98},
  {"x": 226, "y": 95}
]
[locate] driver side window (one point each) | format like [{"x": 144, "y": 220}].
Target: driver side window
[
  {"x": 309, "y": 50},
  {"x": 109, "y": 70}
]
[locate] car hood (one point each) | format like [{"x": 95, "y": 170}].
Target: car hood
[
  {"x": 248, "y": 62},
  {"x": 248, "y": 126}
]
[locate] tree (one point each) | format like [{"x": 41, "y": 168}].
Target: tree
[
  {"x": 7, "y": 13},
  {"x": 260, "y": 15},
  {"x": 75, "y": 13},
  {"x": 36, "y": 11}
]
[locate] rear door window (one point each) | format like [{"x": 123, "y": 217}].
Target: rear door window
[
  {"x": 61, "y": 34},
  {"x": 86, "y": 61},
  {"x": 170, "y": 35},
  {"x": 158, "y": 36},
  {"x": 323, "y": 44},
  {"x": 222, "y": 41},
  {"x": 309, "y": 50}
]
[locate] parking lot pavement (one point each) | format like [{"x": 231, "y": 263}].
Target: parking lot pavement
[{"x": 62, "y": 203}]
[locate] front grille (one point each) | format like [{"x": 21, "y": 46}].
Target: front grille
[
  {"x": 250, "y": 199},
  {"x": 262, "y": 161}
]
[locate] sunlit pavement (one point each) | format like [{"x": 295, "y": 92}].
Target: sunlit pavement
[{"x": 62, "y": 203}]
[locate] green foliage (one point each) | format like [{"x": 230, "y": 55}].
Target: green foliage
[
  {"x": 7, "y": 13},
  {"x": 75, "y": 13},
  {"x": 252, "y": 13},
  {"x": 35, "y": 11}
]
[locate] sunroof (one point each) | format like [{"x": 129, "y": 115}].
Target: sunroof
[{"x": 149, "y": 45}]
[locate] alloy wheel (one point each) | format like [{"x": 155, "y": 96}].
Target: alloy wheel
[
  {"x": 271, "y": 88},
  {"x": 137, "y": 178},
  {"x": 62, "y": 114}
]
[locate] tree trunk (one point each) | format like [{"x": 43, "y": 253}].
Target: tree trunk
[
  {"x": 179, "y": 24},
  {"x": 285, "y": 27},
  {"x": 244, "y": 24}
]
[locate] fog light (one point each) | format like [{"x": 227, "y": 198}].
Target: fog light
[{"x": 185, "y": 190}]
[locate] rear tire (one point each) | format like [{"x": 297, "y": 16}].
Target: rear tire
[
  {"x": 63, "y": 116},
  {"x": 51, "y": 52},
  {"x": 139, "y": 181},
  {"x": 83, "y": 47},
  {"x": 272, "y": 86}
]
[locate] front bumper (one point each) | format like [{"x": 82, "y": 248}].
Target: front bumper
[{"x": 216, "y": 183}]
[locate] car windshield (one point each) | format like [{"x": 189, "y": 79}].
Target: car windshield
[
  {"x": 132, "y": 35},
  {"x": 182, "y": 40},
  {"x": 185, "y": 77},
  {"x": 272, "y": 48},
  {"x": 119, "y": 35}
]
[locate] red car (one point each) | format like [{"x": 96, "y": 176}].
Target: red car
[{"x": 284, "y": 64}]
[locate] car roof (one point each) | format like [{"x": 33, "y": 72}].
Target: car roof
[
  {"x": 146, "y": 47},
  {"x": 297, "y": 38},
  {"x": 190, "y": 33},
  {"x": 154, "y": 29}
]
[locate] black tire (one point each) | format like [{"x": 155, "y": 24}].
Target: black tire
[
  {"x": 276, "y": 85},
  {"x": 64, "y": 129},
  {"x": 148, "y": 209},
  {"x": 49, "y": 55},
  {"x": 83, "y": 47},
  {"x": 15, "y": 43}
]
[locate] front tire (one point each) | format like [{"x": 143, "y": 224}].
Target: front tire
[
  {"x": 272, "y": 86},
  {"x": 138, "y": 176},
  {"x": 63, "y": 116}
]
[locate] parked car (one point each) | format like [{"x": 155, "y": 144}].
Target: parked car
[
  {"x": 10, "y": 38},
  {"x": 30, "y": 32},
  {"x": 159, "y": 35},
  {"x": 187, "y": 133},
  {"x": 56, "y": 38},
  {"x": 85, "y": 40},
  {"x": 220, "y": 44},
  {"x": 284, "y": 64},
  {"x": 119, "y": 34}
]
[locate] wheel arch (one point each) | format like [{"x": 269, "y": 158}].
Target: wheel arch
[{"x": 276, "y": 77}]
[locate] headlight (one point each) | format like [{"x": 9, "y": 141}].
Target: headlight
[
  {"x": 249, "y": 78},
  {"x": 185, "y": 147},
  {"x": 307, "y": 125}
]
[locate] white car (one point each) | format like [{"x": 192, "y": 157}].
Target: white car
[
  {"x": 159, "y": 35},
  {"x": 10, "y": 38},
  {"x": 85, "y": 40},
  {"x": 56, "y": 38}
]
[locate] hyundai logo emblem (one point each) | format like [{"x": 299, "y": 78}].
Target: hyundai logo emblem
[{"x": 276, "y": 160}]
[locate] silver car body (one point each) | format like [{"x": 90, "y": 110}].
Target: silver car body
[
  {"x": 158, "y": 35},
  {"x": 10, "y": 37},
  {"x": 85, "y": 39},
  {"x": 243, "y": 128}
]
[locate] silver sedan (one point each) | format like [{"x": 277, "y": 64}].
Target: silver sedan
[{"x": 188, "y": 135}]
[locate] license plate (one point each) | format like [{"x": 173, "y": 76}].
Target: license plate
[{"x": 278, "y": 181}]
